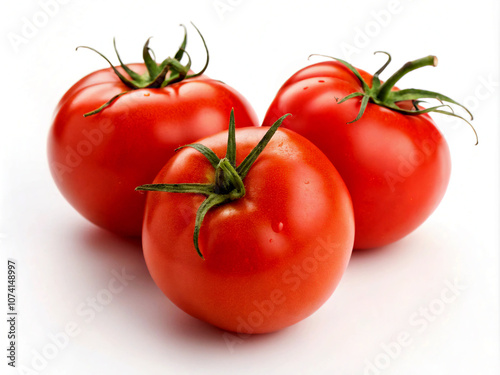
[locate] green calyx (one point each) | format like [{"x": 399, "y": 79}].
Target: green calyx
[
  {"x": 158, "y": 75},
  {"x": 228, "y": 185},
  {"x": 383, "y": 95}
]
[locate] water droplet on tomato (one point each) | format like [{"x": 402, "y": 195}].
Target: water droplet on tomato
[{"x": 277, "y": 227}]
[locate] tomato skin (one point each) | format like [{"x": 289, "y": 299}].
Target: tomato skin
[
  {"x": 98, "y": 161},
  {"x": 272, "y": 257},
  {"x": 396, "y": 167}
]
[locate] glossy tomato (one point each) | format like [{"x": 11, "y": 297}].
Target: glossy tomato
[
  {"x": 275, "y": 246},
  {"x": 393, "y": 159},
  {"x": 98, "y": 160}
]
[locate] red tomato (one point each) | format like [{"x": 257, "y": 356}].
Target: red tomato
[
  {"x": 272, "y": 257},
  {"x": 395, "y": 162},
  {"x": 97, "y": 161}
]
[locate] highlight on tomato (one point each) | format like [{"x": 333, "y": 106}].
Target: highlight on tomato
[
  {"x": 116, "y": 128},
  {"x": 249, "y": 229},
  {"x": 393, "y": 159}
]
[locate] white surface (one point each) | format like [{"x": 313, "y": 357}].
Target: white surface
[{"x": 63, "y": 259}]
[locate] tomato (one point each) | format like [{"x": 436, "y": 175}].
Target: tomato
[
  {"x": 393, "y": 159},
  {"x": 98, "y": 160},
  {"x": 274, "y": 247}
]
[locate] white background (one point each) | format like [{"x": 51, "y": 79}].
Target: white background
[{"x": 255, "y": 46}]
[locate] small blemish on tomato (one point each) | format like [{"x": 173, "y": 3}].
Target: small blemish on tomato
[
  {"x": 305, "y": 88},
  {"x": 146, "y": 94},
  {"x": 321, "y": 81},
  {"x": 306, "y": 182}
]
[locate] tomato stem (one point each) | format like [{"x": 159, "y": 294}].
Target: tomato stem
[
  {"x": 228, "y": 181},
  {"x": 228, "y": 184},
  {"x": 384, "y": 95},
  {"x": 169, "y": 71},
  {"x": 387, "y": 86}
]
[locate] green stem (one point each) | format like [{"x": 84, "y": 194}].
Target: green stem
[
  {"x": 386, "y": 88},
  {"x": 385, "y": 96},
  {"x": 228, "y": 184},
  {"x": 156, "y": 75},
  {"x": 228, "y": 181}
]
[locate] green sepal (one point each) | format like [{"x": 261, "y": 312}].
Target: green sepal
[
  {"x": 206, "y": 51},
  {"x": 135, "y": 76},
  {"x": 231, "y": 140},
  {"x": 384, "y": 95},
  {"x": 156, "y": 75},
  {"x": 228, "y": 184},
  {"x": 389, "y": 59},
  {"x": 180, "y": 53},
  {"x": 151, "y": 65},
  {"x": 122, "y": 78},
  {"x": 206, "y": 189},
  {"x": 211, "y": 201},
  {"x": 350, "y": 96},
  {"x": 376, "y": 80},
  {"x": 95, "y": 111},
  {"x": 207, "y": 152},
  {"x": 414, "y": 94},
  {"x": 364, "y": 104}
]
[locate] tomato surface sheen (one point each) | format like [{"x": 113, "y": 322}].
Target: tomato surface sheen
[
  {"x": 98, "y": 161},
  {"x": 396, "y": 166},
  {"x": 273, "y": 257}
]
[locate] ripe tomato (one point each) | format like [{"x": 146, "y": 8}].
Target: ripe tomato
[
  {"x": 393, "y": 159},
  {"x": 275, "y": 245},
  {"x": 97, "y": 161}
]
